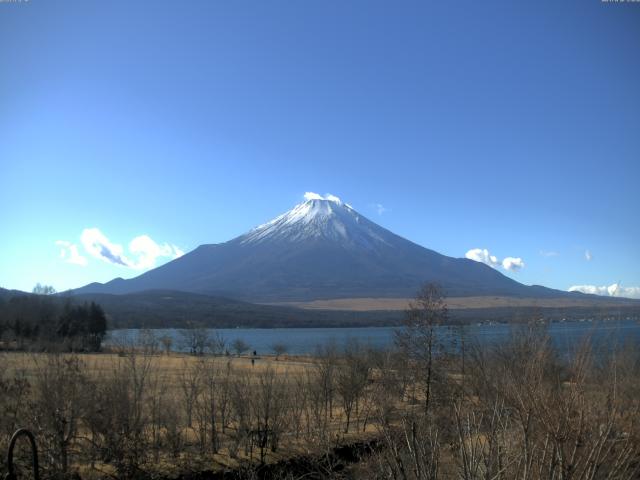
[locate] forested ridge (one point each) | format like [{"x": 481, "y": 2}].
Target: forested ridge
[{"x": 42, "y": 321}]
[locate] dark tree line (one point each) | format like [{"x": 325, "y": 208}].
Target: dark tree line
[{"x": 41, "y": 321}]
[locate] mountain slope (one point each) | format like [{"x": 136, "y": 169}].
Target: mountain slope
[{"x": 320, "y": 249}]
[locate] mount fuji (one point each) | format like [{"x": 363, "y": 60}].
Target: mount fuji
[{"x": 321, "y": 249}]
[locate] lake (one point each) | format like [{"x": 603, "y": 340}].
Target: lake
[{"x": 302, "y": 341}]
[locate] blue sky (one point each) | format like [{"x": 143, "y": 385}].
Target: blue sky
[{"x": 507, "y": 126}]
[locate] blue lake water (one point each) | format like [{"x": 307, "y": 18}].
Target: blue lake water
[{"x": 566, "y": 336}]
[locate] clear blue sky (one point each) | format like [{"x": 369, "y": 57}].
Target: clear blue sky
[{"x": 510, "y": 126}]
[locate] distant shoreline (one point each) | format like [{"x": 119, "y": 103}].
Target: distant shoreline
[{"x": 455, "y": 303}]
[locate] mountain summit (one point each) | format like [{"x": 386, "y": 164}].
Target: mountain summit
[
  {"x": 324, "y": 219},
  {"x": 320, "y": 249}
]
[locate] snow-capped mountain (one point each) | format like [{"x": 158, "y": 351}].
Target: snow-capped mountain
[
  {"x": 320, "y": 219},
  {"x": 320, "y": 249}
]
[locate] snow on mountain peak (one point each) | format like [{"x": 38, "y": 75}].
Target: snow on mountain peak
[{"x": 319, "y": 217}]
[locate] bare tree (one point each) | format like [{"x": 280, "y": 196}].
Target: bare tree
[
  {"x": 43, "y": 289},
  {"x": 190, "y": 387},
  {"x": 224, "y": 395},
  {"x": 412, "y": 450},
  {"x": 156, "y": 403},
  {"x": 167, "y": 343},
  {"x": 120, "y": 415},
  {"x": 172, "y": 427},
  {"x": 15, "y": 395},
  {"x": 418, "y": 337},
  {"x": 298, "y": 405},
  {"x": 207, "y": 405},
  {"x": 279, "y": 348},
  {"x": 269, "y": 411},
  {"x": 351, "y": 379},
  {"x": 148, "y": 341},
  {"x": 58, "y": 390},
  {"x": 217, "y": 343},
  {"x": 195, "y": 340},
  {"x": 239, "y": 346},
  {"x": 240, "y": 393}
]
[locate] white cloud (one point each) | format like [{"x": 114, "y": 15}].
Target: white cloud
[
  {"x": 589, "y": 289},
  {"x": 316, "y": 196},
  {"x": 482, "y": 255},
  {"x": 513, "y": 264},
  {"x": 312, "y": 196},
  {"x": 98, "y": 245},
  {"x": 587, "y": 255},
  {"x": 381, "y": 209},
  {"x": 145, "y": 251},
  {"x": 549, "y": 253},
  {"x": 613, "y": 290},
  {"x": 148, "y": 251},
  {"x": 69, "y": 252}
]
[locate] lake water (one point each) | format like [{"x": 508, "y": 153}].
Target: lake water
[{"x": 566, "y": 336}]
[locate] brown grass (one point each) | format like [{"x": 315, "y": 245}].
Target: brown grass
[
  {"x": 170, "y": 368},
  {"x": 454, "y": 303}
]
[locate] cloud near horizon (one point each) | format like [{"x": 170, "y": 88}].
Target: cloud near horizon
[
  {"x": 482, "y": 255},
  {"x": 613, "y": 290},
  {"x": 69, "y": 252},
  {"x": 513, "y": 264},
  {"x": 148, "y": 251},
  {"x": 144, "y": 249}
]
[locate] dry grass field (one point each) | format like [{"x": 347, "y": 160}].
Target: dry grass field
[
  {"x": 515, "y": 410},
  {"x": 457, "y": 303},
  {"x": 172, "y": 365},
  {"x": 189, "y": 413}
]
